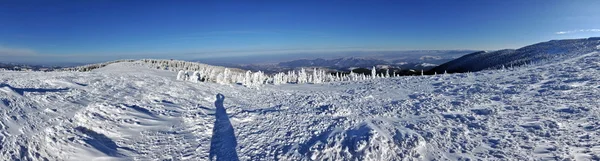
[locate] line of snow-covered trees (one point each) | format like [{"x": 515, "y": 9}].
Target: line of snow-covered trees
[
  {"x": 90, "y": 67},
  {"x": 255, "y": 79},
  {"x": 196, "y": 72},
  {"x": 177, "y": 65},
  {"x": 226, "y": 76}
]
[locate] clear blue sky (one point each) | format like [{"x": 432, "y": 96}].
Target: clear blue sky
[{"x": 199, "y": 28}]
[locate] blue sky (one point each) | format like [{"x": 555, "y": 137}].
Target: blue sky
[{"x": 110, "y": 29}]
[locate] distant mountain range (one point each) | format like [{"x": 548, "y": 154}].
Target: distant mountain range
[
  {"x": 340, "y": 63},
  {"x": 544, "y": 51},
  {"x": 416, "y": 60},
  {"x": 451, "y": 61},
  {"x": 25, "y": 67}
]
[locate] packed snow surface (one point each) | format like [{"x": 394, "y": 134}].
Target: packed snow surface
[{"x": 126, "y": 111}]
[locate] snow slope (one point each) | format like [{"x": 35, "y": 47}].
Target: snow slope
[
  {"x": 555, "y": 50},
  {"x": 126, "y": 111}
]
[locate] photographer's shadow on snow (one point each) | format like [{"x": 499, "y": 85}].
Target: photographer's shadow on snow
[{"x": 223, "y": 142}]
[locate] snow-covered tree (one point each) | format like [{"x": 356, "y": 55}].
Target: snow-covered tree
[
  {"x": 226, "y": 76},
  {"x": 387, "y": 73},
  {"x": 315, "y": 78},
  {"x": 302, "y": 77},
  {"x": 186, "y": 75},
  {"x": 247, "y": 79},
  {"x": 373, "y": 73},
  {"x": 180, "y": 75}
]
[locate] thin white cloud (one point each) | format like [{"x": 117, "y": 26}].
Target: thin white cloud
[
  {"x": 576, "y": 31},
  {"x": 6, "y": 51},
  {"x": 233, "y": 33}
]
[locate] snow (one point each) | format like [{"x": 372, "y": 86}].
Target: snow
[
  {"x": 427, "y": 65},
  {"x": 126, "y": 111},
  {"x": 544, "y": 52}
]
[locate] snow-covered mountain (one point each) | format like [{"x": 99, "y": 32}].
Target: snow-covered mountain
[
  {"x": 134, "y": 111},
  {"x": 545, "y": 51}
]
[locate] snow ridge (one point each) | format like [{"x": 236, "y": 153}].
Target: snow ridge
[{"x": 555, "y": 50}]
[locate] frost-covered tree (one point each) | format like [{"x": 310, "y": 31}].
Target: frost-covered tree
[
  {"x": 186, "y": 75},
  {"x": 302, "y": 77},
  {"x": 180, "y": 75},
  {"x": 226, "y": 76},
  {"x": 195, "y": 77},
  {"x": 219, "y": 78},
  {"x": 387, "y": 73},
  {"x": 315, "y": 78},
  {"x": 248, "y": 79},
  {"x": 373, "y": 73}
]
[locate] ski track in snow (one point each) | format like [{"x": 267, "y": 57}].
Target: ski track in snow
[{"x": 127, "y": 112}]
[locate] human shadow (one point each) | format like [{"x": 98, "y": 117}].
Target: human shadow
[{"x": 223, "y": 141}]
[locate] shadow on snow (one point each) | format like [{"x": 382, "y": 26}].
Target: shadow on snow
[
  {"x": 223, "y": 142},
  {"x": 22, "y": 91},
  {"x": 99, "y": 141}
]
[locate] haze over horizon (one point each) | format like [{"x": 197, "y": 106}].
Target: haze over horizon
[{"x": 93, "y": 31}]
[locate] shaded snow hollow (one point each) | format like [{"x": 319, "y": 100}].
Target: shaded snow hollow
[{"x": 128, "y": 112}]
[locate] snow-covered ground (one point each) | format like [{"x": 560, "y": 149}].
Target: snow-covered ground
[{"x": 125, "y": 111}]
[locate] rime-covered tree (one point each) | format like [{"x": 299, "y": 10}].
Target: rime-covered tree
[
  {"x": 195, "y": 77},
  {"x": 373, "y": 73},
  {"x": 180, "y": 75},
  {"x": 387, "y": 73}
]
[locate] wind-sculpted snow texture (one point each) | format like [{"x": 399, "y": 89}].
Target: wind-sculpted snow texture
[{"x": 125, "y": 111}]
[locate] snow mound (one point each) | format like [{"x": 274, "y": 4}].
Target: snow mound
[{"x": 364, "y": 142}]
